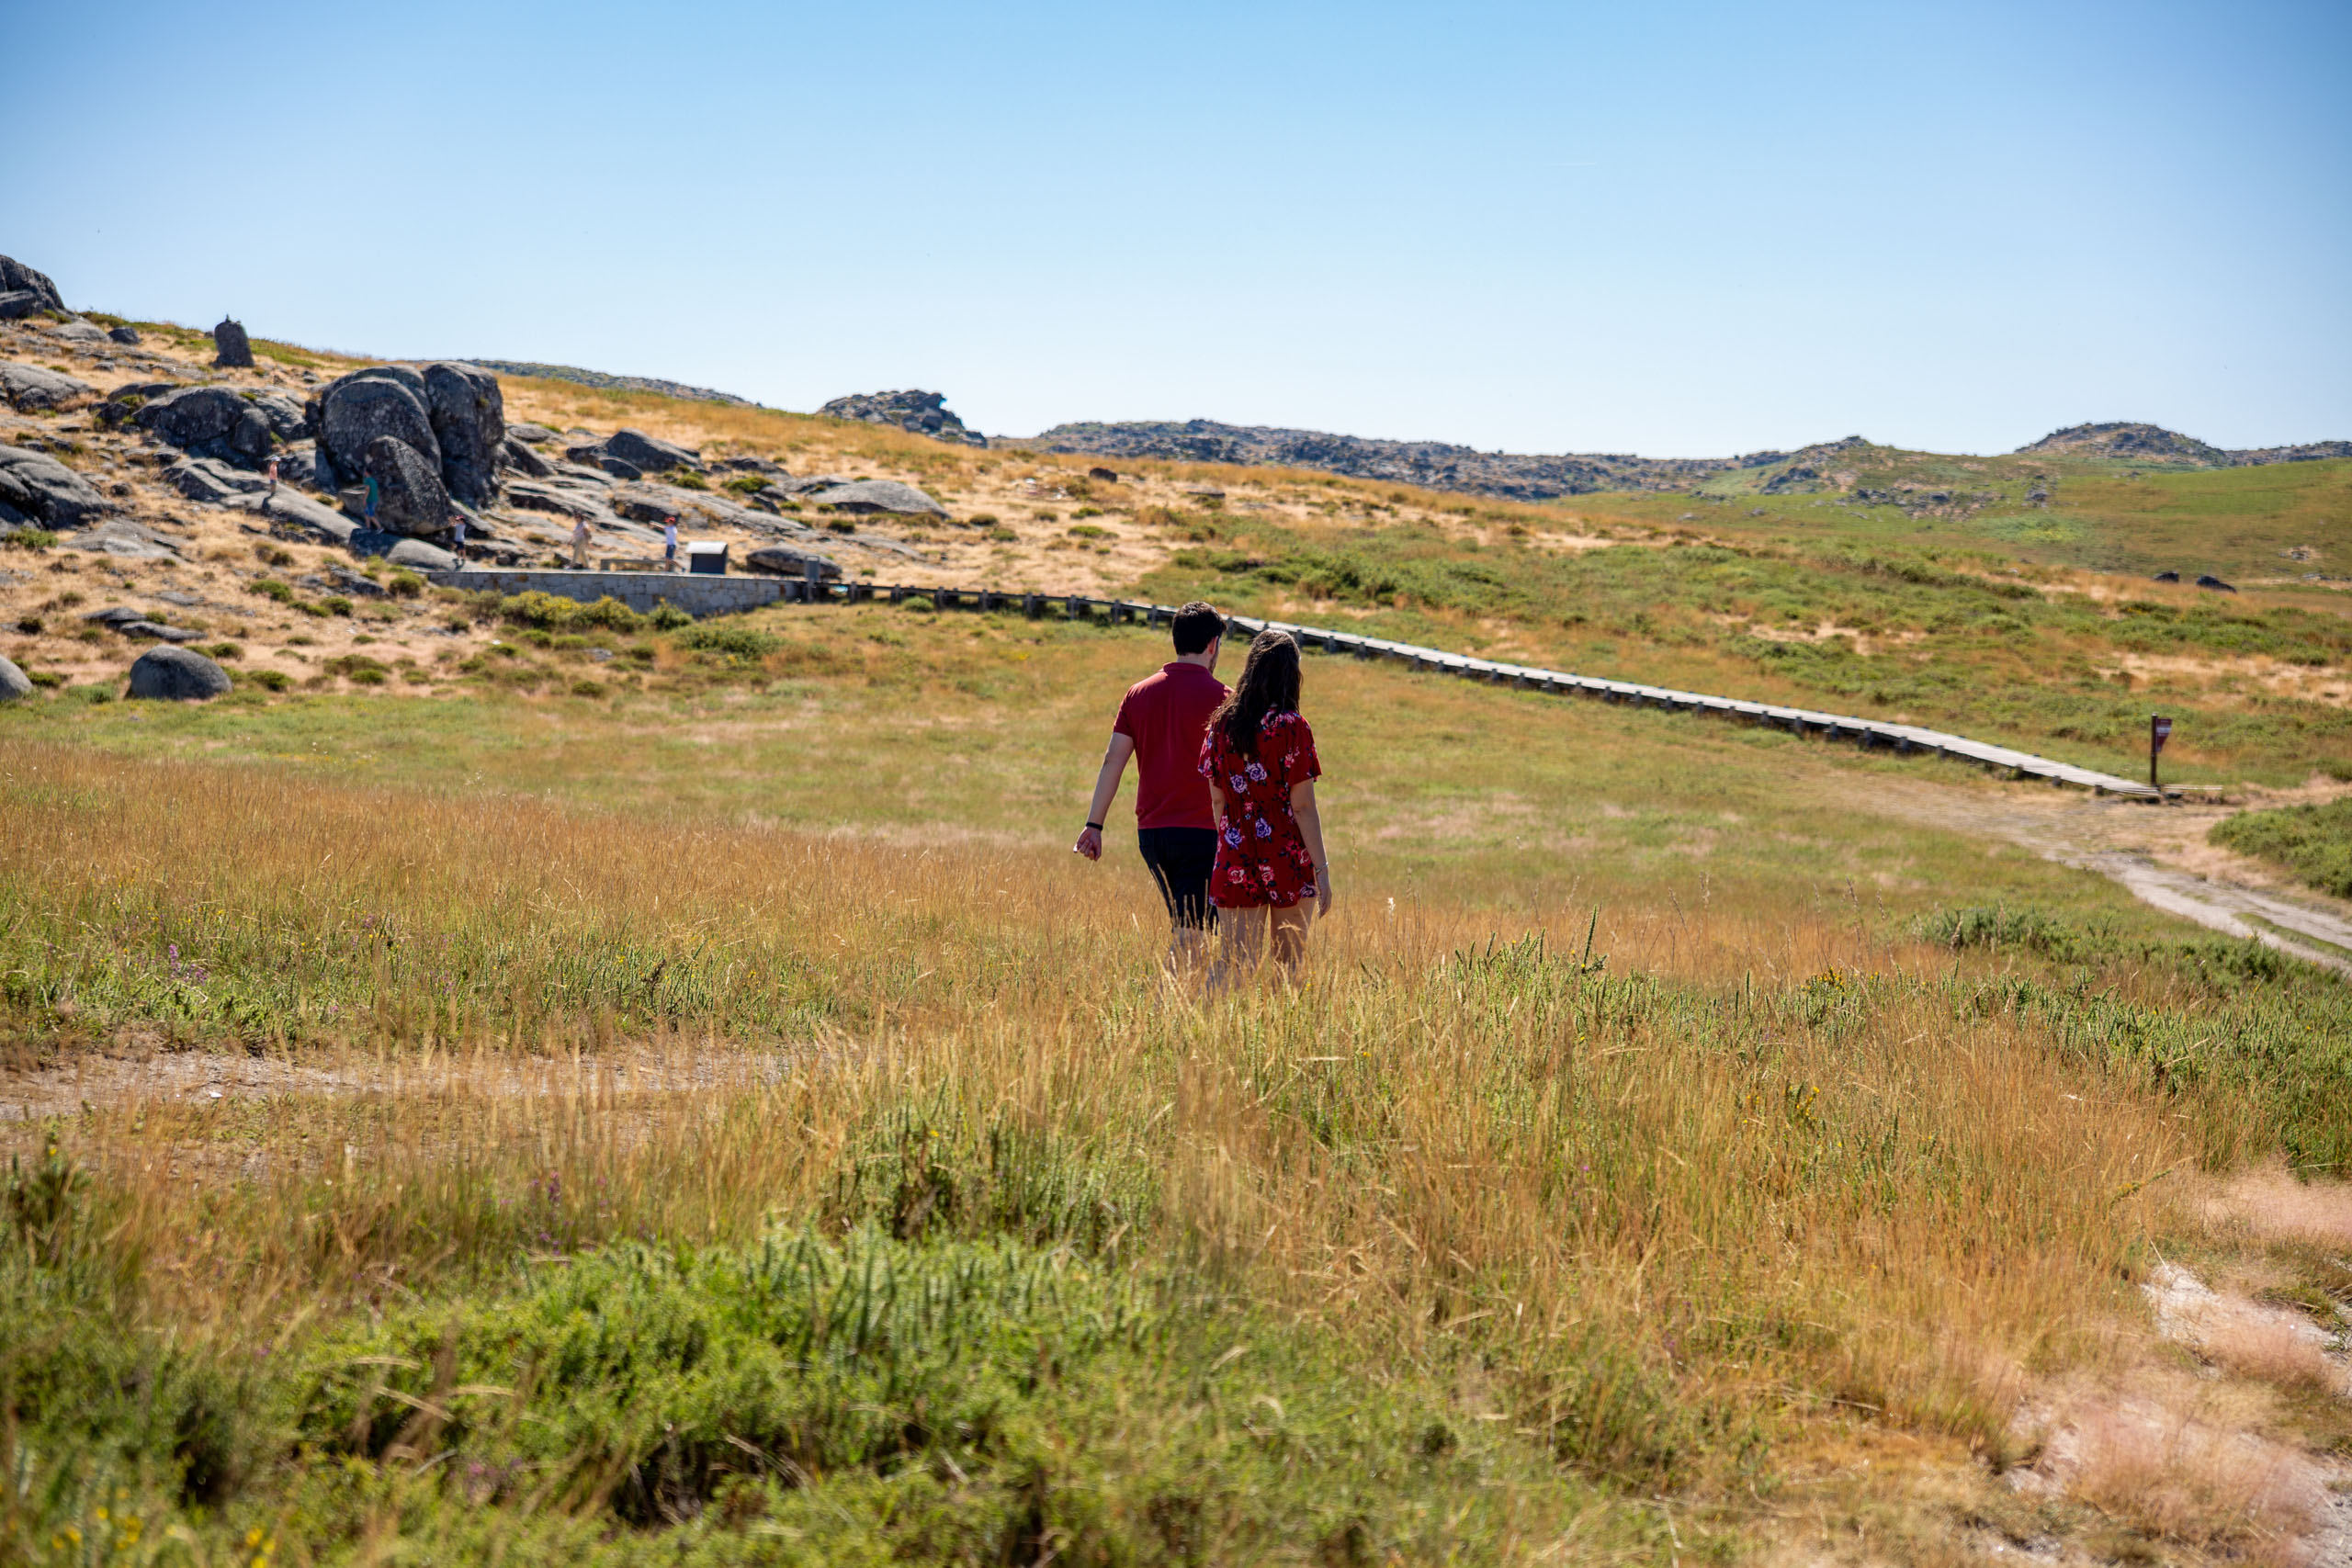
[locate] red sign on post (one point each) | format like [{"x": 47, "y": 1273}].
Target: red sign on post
[{"x": 2159, "y": 731}]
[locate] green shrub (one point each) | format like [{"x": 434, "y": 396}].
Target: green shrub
[
  {"x": 28, "y": 538},
  {"x": 748, "y": 484},
  {"x": 552, "y": 613},
  {"x": 222, "y": 650},
  {"x": 274, "y": 680},
  {"x": 668, "y": 617},
  {"x": 48, "y": 679},
  {"x": 686, "y": 479},
  {"x": 2312, "y": 841},
  {"x": 405, "y": 584},
  {"x": 735, "y": 641},
  {"x": 357, "y": 669},
  {"x": 336, "y": 604},
  {"x": 270, "y": 588}
]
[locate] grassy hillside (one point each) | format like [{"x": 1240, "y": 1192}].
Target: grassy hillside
[{"x": 719, "y": 1122}]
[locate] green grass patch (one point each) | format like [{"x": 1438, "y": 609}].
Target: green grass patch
[{"x": 2312, "y": 841}]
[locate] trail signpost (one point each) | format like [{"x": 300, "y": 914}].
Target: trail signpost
[{"x": 2159, "y": 731}]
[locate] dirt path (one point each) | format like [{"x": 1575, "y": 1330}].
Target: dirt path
[{"x": 2158, "y": 852}]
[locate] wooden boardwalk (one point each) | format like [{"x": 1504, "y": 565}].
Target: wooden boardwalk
[{"x": 1901, "y": 739}]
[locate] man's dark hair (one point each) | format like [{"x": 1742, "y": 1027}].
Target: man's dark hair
[{"x": 1197, "y": 626}]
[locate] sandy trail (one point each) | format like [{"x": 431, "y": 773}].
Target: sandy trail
[{"x": 2158, "y": 852}]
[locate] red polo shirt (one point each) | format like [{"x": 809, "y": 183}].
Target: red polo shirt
[{"x": 1167, "y": 715}]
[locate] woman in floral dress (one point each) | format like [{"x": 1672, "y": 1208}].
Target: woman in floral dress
[{"x": 1259, "y": 757}]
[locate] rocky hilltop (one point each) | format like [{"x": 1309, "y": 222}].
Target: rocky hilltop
[
  {"x": 618, "y": 383},
  {"x": 1508, "y": 475},
  {"x": 2126, "y": 441},
  {"x": 920, "y": 413},
  {"x": 1433, "y": 464}
]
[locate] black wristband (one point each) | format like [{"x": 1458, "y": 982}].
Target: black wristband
[{"x": 1096, "y": 826}]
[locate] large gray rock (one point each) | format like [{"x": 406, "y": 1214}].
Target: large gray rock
[
  {"x": 219, "y": 423},
  {"x": 645, "y": 452},
  {"x": 213, "y": 482},
  {"x": 16, "y": 277},
  {"x": 351, "y": 412},
  {"x": 878, "y": 495},
  {"x": 524, "y": 430},
  {"x": 293, "y": 511},
  {"x": 46, "y": 491},
  {"x": 411, "y": 497},
  {"x": 413, "y": 553},
  {"x": 469, "y": 415},
  {"x": 782, "y": 561},
  {"x": 29, "y": 387},
  {"x": 17, "y": 303},
  {"x": 177, "y": 674},
  {"x": 522, "y": 460},
  {"x": 122, "y": 538},
  {"x": 921, "y": 414},
  {"x": 232, "y": 349},
  {"x": 13, "y": 685},
  {"x": 124, "y": 334}
]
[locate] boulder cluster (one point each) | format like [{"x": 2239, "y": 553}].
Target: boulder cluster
[{"x": 919, "y": 414}]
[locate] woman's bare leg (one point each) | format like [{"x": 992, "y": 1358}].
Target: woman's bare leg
[
  {"x": 1241, "y": 942},
  {"x": 1290, "y": 938}
]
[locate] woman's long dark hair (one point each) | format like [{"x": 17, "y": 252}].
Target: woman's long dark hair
[{"x": 1269, "y": 683}]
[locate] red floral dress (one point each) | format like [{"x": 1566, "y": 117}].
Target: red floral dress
[{"x": 1260, "y": 859}]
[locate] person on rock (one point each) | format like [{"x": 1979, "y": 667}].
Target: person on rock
[
  {"x": 580, "y": 544},
  {"x": 1259, "y": 759},
  {"x": 1161, "y": 723},
  {"x": 269, "y": 471},
  {"x": 669, "y": 544}
]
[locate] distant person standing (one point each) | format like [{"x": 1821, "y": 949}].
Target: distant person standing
[
  {"x": 375, "y": 492},
  {"x": 669, "y": 544},
  {"x": 1162, "y": 723},
  {"x": 269, "y": 471},
  {"x": 580, "y": 545},
  {"x": 1260, "y": 763},
  {"x": 458, "y": 531}
]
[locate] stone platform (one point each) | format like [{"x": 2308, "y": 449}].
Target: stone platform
[{"x": 696, "y": 593}]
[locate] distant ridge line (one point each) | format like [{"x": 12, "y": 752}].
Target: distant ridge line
[{"x": 616, "y": 383}]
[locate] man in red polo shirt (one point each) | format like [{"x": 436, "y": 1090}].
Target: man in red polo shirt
[{"x": 1160, "y": 725}]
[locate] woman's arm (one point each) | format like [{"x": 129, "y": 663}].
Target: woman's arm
[
  {"x": 1310, "y": 828},
  {"x": 1217, "y": 803}
]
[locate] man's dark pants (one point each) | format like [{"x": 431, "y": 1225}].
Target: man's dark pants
[{"x": 1180, "y": 860}]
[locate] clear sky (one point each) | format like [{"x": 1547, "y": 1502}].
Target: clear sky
[{"x": 1678, "y": 229}]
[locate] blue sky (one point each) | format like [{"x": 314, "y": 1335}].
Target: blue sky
[{"x": 1667, "y": 229}]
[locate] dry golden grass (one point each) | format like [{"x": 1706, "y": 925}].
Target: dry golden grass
[{"x": 1679, "y": 1209}]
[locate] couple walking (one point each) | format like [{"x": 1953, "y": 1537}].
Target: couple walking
[{"x": 1225, "y": 797}]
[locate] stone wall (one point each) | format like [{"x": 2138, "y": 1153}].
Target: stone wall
[{"x": 641, "y": 590}]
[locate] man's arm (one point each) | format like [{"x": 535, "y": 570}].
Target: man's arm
[{"x": 1106, "y": 789}]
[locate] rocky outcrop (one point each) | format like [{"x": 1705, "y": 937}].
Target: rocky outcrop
[
  {"x": 411, "y": 498},
  {"x": 219, "y": 423},
  {"x": 177, "y": 674},
  {"x": 620, "y": 383},
  {"x": 877, "y": 495},
  {"x": 782, "y": 561},
  {"x": 516, "y": 457},
  {"x": 36, "y": 488},
  {"x": 15, "y": 277},
  {"x": 28, "y": 389},
  {"x": 232, "y": 350},
  {"x": 2128, "y": 441},
  {"x": 468, "y": 418},
  {"x": 352, "y": 410},
  {"x": 921, "y": 414},
  {"x": 127, "y": 335},
  {"x": 1431, "y": 465},
  {"x": 646, "y": 454},
  {"x": 123, "y": 540}
]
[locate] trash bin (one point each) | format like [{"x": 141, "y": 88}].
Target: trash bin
[{"x": 707, "y": 556}]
